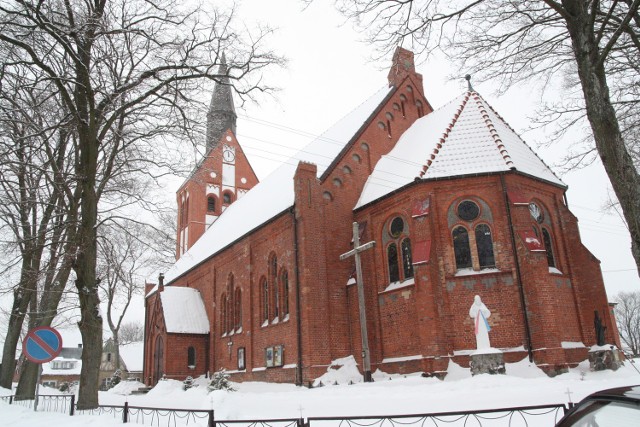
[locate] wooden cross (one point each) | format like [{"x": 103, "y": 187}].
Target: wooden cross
[{"x": 355, "y": 252}]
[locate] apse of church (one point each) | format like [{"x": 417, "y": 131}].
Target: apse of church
[{"x": 458, "y": 205}]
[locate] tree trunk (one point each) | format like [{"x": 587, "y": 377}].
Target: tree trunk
[
  {"x": 28, "y": 377},
  {"x": 90, "y": 319},
  {"x": 16, "y": 319},
  {"x": 85, "y": 267},
  {"x": 610, "y": 144}
]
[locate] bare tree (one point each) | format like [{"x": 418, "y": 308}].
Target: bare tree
[
  {"x": 594, "y": 44},
  {"x": 131, "y": 332},
  {"x": 126, "y": 71},
  {"x": 126, "y": 255},
  {"x": 627, "y": 313},
  {"x": 36, "y": 214}
]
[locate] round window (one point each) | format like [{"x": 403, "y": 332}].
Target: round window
[
  {"x": 397, "y": 227},
  {"x": 468, "y": 210},
  {"x": 536, "y": 213}
]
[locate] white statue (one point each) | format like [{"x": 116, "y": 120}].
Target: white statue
[{"x": 480, "y": 313}]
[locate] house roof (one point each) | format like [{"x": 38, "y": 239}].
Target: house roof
[
  {"x": 275, "y": 194},
  {"x": 133, "y": 356},
  {"x": 184, "y": 311},
  {"x": 464, "y": 137}
]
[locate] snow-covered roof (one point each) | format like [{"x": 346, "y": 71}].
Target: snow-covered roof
[
  {"x": 133, "y": 355},
  {"x": 184, "y": 311},
  {"x": 275, "y": 193},
  {"x": 464, "y": 137},
  {"x": 74, "y": 366}
]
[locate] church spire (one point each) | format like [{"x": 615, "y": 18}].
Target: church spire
[{"x": 222, "y": 113}]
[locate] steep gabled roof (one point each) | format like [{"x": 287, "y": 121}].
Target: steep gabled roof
[
  {"x": 183, "y": 311},
  {"x": 275, "y": 194},
  {"x": 464, "y": 137}
]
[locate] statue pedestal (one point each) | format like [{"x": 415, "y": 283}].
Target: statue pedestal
[
  {"x": 487, "y": 361},
  {"x": 604, "y": 357}
]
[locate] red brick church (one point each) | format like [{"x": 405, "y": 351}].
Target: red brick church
[{"x": 458, "y": 205}]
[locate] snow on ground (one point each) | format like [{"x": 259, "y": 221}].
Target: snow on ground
[{"x": 524, "y": 385}]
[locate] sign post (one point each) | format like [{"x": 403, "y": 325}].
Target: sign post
[{"x": 41, "y": 345}]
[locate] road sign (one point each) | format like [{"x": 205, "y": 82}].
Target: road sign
[{"x": 42, "y": 344}]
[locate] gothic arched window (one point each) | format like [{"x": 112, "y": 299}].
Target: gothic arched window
[
  {"x": 273, "y": 279},
  {"x": 484, "y": 245},
  {"x": 238, "y": 309},
  {"x": 399, "y": 258},
  {"x": 264, "y": 286},
  {"x": 223, "y": 314},
  {"x": 546, "y": 237},
  {"x": 461, "y": 247},
  {"x": 284, "y": 278}
]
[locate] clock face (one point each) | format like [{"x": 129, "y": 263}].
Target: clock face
[{"x": 228, "y": 155}]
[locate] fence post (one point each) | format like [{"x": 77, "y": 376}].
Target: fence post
[
  {"x": 10, "y": 399},
  {"x": 211, "y": 420},
  {"x": 73, "y": 404},
  {"x": 300, "y": 422},
  {"x": 125, "y": 413}
]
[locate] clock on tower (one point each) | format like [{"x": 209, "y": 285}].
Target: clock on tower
[{"x": 228, "y": 156}]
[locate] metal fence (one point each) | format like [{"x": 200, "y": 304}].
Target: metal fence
[{"x": 529, "y": 416}]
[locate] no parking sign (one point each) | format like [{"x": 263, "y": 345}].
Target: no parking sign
[{"x": 42, "y": 344}]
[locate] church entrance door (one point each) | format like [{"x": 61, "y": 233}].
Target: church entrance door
[{"x": 158, "y": 360}]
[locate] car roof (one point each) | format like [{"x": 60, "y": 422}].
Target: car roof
[{"x": 629, "y": 393}]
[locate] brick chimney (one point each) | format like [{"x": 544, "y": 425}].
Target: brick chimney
[{"x": 402, "y": 66}]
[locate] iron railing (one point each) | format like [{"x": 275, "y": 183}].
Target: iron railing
[
  {"x": 529, "y": 416},
  {"x": 542, "y": 415}
]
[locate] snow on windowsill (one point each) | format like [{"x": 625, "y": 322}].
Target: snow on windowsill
[
  {"x": 471, "y": 271},
  {"x": 401, "y": 359},
  {"x": 262, "y": 368},
  {"x": 602, "y": 347},
  {"x": 554, "y": 270},
  {"x": 398, "y": 285},
  {"x": 275, "y": 321},
  {"x": 293, "y": 365},
  {"x": 351, "y": 281},
  {"x": 571, "y": 344},
  {"x": 239, "y": 330},
  {"x": 224, "y": 335},
  {"x": 265, "y": 323},
  {"x": 286, "y": 318}
]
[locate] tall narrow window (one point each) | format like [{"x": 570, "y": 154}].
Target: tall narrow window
[
  {"x": 223, "y": 314},
  {"x": 211, "y": 204},
  {"x": 546, "y": 237},
  {"x": 191, "y": 357},
  {"x": 285, "y": 293},
  {"x": 265, "y": 299},
  {"x": 392, "y": 262},
  {"x": 484, "y": 244},
  {"x": 238, "y": 309},
  {"x": 461, "y": 247},
  {"x": 407, "y": 261},
  {"x": 273, "y": 278}
]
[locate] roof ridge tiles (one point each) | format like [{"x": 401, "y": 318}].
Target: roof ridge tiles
[
  {"x": 482, "y": 108},
  {"x": 521, "y": 138},
  {"x": 445, "y": 135}
]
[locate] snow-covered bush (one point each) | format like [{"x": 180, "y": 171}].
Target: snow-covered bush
[
  {"x": 220, "y": 381},
  {"x": 188, "y": 383}
]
